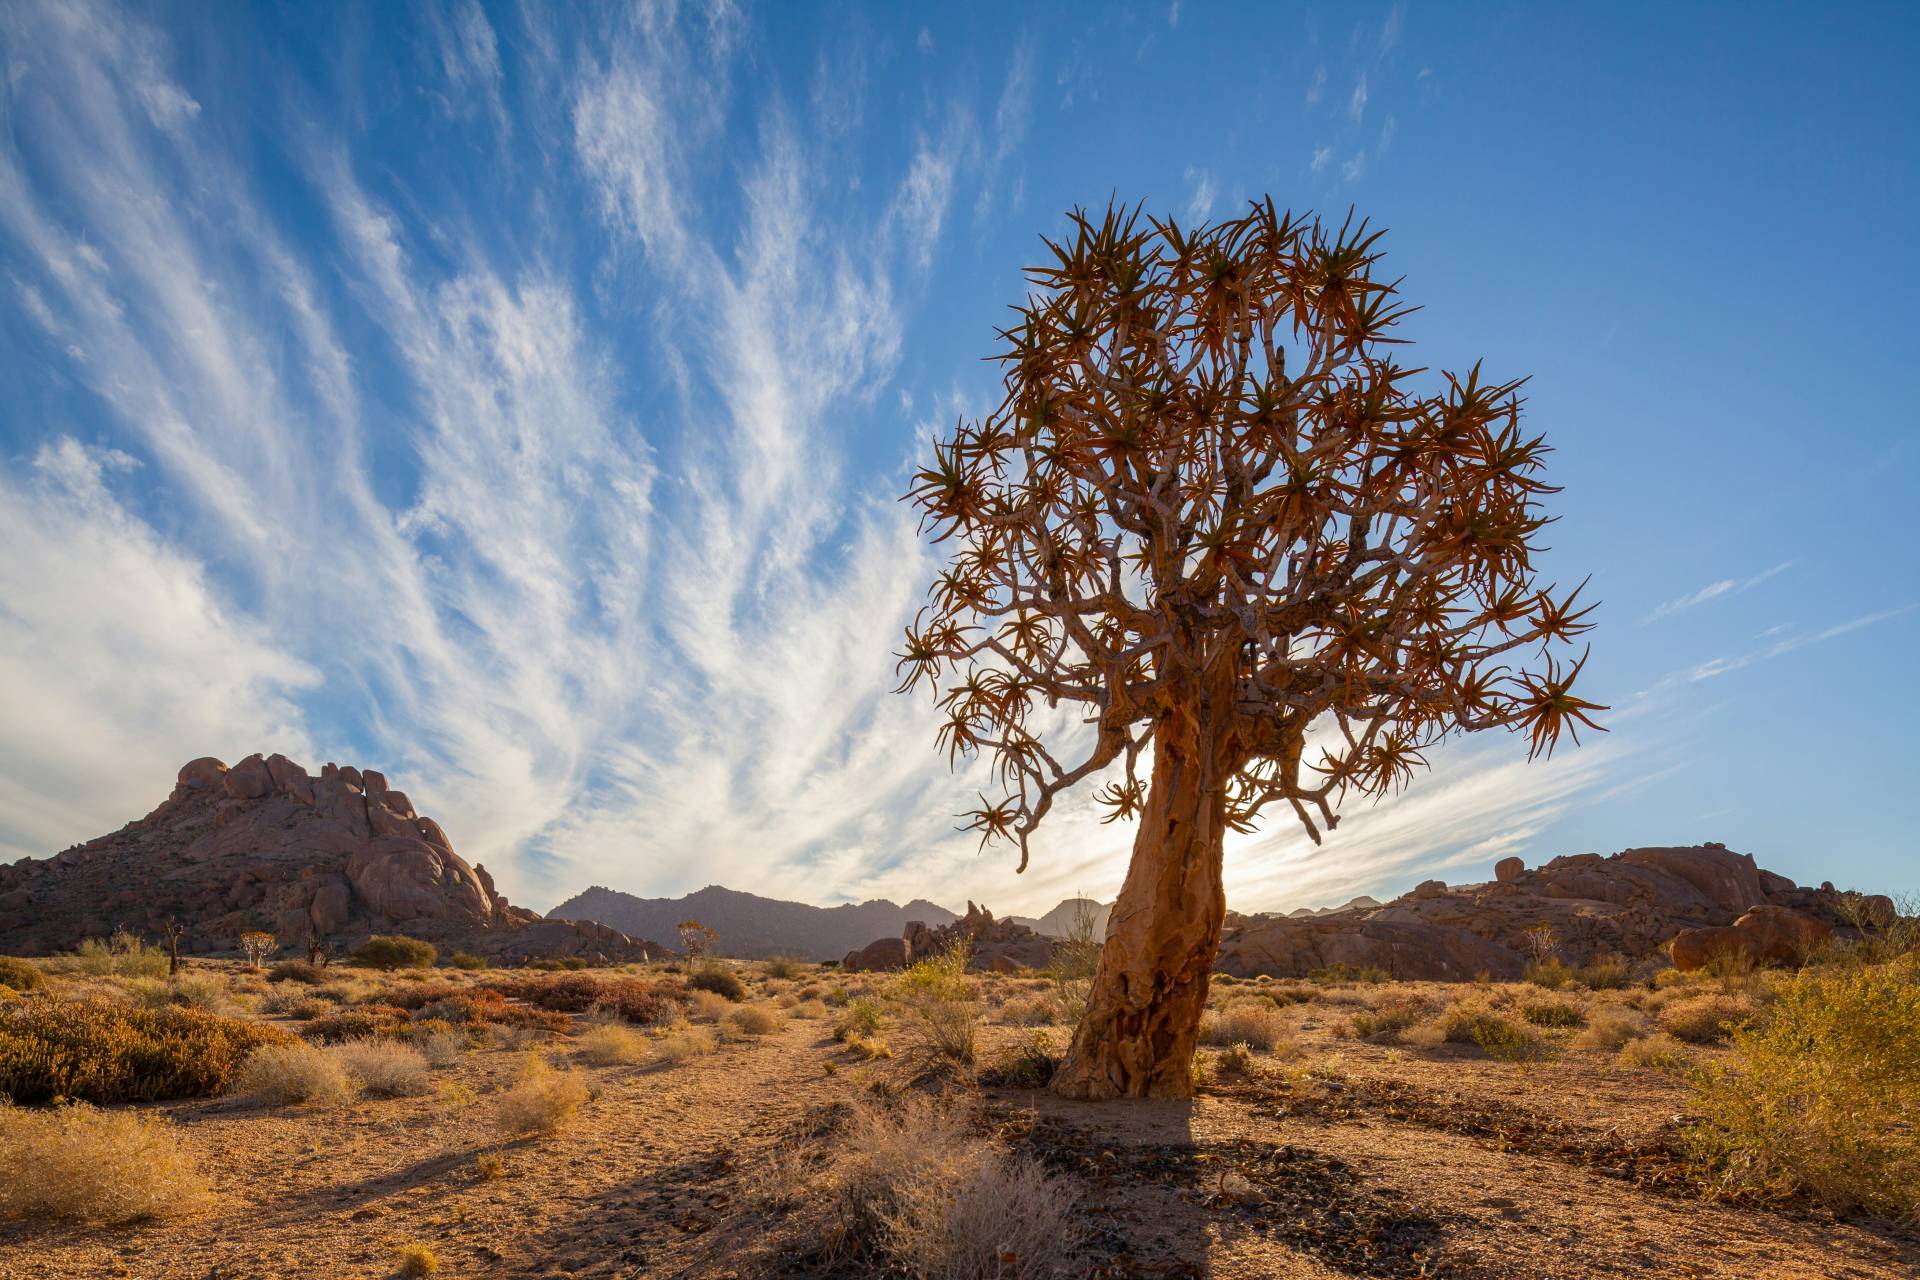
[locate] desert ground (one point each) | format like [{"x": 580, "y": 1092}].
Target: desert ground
[{"x": 873, "y": 1124}]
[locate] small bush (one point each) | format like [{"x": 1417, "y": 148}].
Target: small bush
[
  {"x": 721, "y": 981},
  {"x": 1825, "y": 1097},
  {"x": 21, "y": 975},
  {"x": 1605, "y": 973},
  {"x": 860, "y": 1018},
  {"x": 415, "y": 1261},
  {"x": 1660, "y": 1052},
  {"x": 809, "y": 1009},
  {"x": 300, "y": 971},
  {"x": 917, "y": 1194},
  {"x": 1551, "y": 974},
  {"x": 123, "y": 955},
  {"x": 542, "y": 1100},
  {"x": 628, "y": 998},
  {"x": 940, "y": 1004},
  {"x": 781, "y": 967},
  {"x": 611, "y": 1044},
  {"x": 355, "y": 1024},
  {"x": 1389, "y": 1017},
  {"x": 77, "y": 1164},
  {"x": 386, "y": 1068},
  {"x": 289, "y": 1073},
  {"x": 1511, "y": 1041},
  {"x": 1030, "y": 1011},
  {"x": 1254, "y": 1023},
  {"x": 1706, "y": 1019},
  {"x": 396, "y": 951},
  {"x": 466, "y": 960},
  {"x": 1610, "y": 1027},
  {"x": 1335, "y": 973},
  {"x": 753, "y": 1020},
  {"x": 1553, "y": 1011},
  {"x": 101, "y": 1052},
  {"x": 682, "y": 1041},
  {"x": 441, "y": 1046},
  {"x": 1026, "y": 1066}
]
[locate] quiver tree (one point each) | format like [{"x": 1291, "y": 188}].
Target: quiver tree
[
  {"x": 257, "y": 945},
  {"x": 696, "y": 938},
  {"x": 1214, "y": 512}
]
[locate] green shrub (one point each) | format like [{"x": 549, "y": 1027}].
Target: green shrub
[
  {"x": 721, "y": 981},
  {"x": 860, "y": 1020},
  {"x": 780, "y": 967},
  {"x": 940, "y": 1003},
  {"x": 1511, "y": 1041},
  {"x": 21, "y": 975},
  {"x": 1604, "y": 973},
  {"x": 1388, "y": 1018},
  {"x": 1551, "y": 974},
  {"x": 1706, "y": 1019},
  {"x": 102, "y": 1052},
  {"x": 300, "y": 971},
  {"x": 1348, "y": 973},
  {"x": 1824, "y": 1098},
  {"x": 396, "y": 951},
  {"x": 466, "y": 960}
]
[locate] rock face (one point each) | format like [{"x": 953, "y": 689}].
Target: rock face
[
  {"x": 1766, "y": 935},
  {"x": 1631, "y": 904},
  {"x": 994, "y": 946},
  {"x": 265, "y": 845}
]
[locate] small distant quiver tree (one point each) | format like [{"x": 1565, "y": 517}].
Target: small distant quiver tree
[
  {"x": 257, "y": 945},
  {"x": 696, "y": 938},
  {"x": 1212, "y": 510}
]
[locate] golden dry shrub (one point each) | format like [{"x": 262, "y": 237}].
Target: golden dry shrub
[
  {"x": 940, "y": 1005},
  {"x": 1657, "y": 1052},
  {"x": 1029, "y": 1011},
  {"x": 1610, "y": 1027},
  {"x": 385, "y": 1068},
  {"x": 1823, "y": 1097},
  {"x": 681, "y": 1041},
  {"x": 541, "y": 1101},
  {"x": 913, "y": 1191},
  {"x": 1254, "y": 1023},
  {"x": 79, "y": 1164},
  {"x": 415, "y": 1261},
  {"x": 1706, "y": 1019},
  {"x": 21, "y": 975},
  {"x": 752, "y": 1020},
  {"x": 104, "y": 1052},
  {"x": 1389, "y": 1016},
  {"x": 611, "y": 1044},
  {"x": 282, "y": 1074}
]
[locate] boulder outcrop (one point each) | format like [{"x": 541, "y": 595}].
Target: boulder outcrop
[
  {"x": 994, "y": 946},
  {"x": 1631, "y": 904},
  {"x": 266, "y": 845},
  {"x": 1767, "y": 935}
]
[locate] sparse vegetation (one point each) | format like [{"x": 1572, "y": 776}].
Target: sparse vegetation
[
  {"x": 1553, "y": 1011},
  {"x": 103, "y": 1052},
  {"x": 77, "y": 1164},
  {"x": 466, "y": 960},
  {"x": 300, "y": 971},
  {"x": 681, "y": 1041},
  {"x": 415, "y": 1261},
  {"x": 611, "y": 1044},
  {"x": 1387, "y": 1018},
  {"x": 752, "y": 1020},
  {"x": 123, "y": 955}
]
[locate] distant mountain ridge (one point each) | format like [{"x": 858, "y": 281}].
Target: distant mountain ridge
[
  {"x": 751, "y": 927},
  {"x": 1065, "y": 918}
]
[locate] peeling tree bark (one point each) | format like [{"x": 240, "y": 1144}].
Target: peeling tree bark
[{"x": 1143, "y": 1013}]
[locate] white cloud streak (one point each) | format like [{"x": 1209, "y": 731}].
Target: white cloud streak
[{"x": 1715, "y": 590}]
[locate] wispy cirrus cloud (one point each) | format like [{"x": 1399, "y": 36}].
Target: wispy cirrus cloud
[{"x": 1716, "y": 590}]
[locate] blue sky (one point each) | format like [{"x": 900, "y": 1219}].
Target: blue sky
[{"x": 516, "y": 399}]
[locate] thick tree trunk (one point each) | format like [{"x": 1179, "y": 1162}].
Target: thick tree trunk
[{"x": 1143, "y": 1013}]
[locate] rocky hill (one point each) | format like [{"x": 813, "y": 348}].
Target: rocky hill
[
  {"x": 265, "y": 845},
  {"x": 1072, "y": 914},
  {"x": 1631, "y": 904},
  {"x": 752, "y": 927}
]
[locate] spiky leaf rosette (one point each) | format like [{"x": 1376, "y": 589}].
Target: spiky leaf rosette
[{"x": 1207, "y": 454}]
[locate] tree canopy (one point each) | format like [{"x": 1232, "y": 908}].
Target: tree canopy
[{"x": 1208, "y": 465}]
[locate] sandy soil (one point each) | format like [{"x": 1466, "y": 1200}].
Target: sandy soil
[{"x": 1389, "y": 1162}]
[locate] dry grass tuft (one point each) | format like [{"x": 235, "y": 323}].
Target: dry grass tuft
[
  {"x": 281, "y": 1074},
  {"x": 1254, "y": 1023},
  {"x": 912, "y": 1191},
  {"x": 1658, "y": 1052},
  {"x": 940, "y": 1006},
  {"x": 541, "y": 1101},
  {"x": 78, "y": 1164},
  {"x": 1389, "y": 1017},
  {"x": 416, "y": 1260},
  {"x": 386, "y": 1068},
  {"x": 611, "y": 1045},
  {"x": 1610, "y": 1027},
  {"x": 752, "y": 1020},
  {"x": 681, "y": 1041},
  {"x": 1706, "y": 1019}
]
